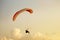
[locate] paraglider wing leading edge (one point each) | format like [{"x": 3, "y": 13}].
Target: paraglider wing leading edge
[{"x": 20, "y": 11}]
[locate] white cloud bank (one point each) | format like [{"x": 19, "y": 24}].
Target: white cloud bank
[{"x": 17, "y": 35}]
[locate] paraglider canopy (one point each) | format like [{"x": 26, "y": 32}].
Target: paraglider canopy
[{"x": 20, "y": 11}]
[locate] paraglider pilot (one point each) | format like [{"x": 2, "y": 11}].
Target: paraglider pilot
[{"x": 27, "y": 31}]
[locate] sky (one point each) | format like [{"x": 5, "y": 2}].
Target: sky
[{"x": 45, "y": 17}]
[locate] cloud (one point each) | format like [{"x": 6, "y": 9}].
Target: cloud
[
  {"x": 40, "y": 36},
  {"x": 5, "y": 38},
  {"x": 16, "y": 34}
]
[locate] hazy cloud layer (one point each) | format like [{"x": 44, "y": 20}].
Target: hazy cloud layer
[{"x": 16, "y": 34}]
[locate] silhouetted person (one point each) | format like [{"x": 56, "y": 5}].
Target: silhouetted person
[{"x": 27, "y": 31}]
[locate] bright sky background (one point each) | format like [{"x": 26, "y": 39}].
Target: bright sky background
[{"x": 45, "y": 17}]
